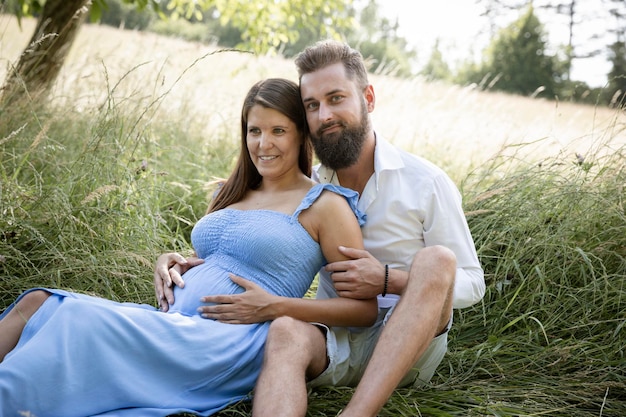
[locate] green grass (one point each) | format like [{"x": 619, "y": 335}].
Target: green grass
[{"x": 89, "y": 198}]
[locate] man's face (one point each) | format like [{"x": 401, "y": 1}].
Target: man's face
[{"x": 337, "y": 114}]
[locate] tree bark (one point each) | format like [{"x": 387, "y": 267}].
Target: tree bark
[{"x": 40, "y": 64}]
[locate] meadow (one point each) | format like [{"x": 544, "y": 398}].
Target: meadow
[{"x": 117, "y": 167}]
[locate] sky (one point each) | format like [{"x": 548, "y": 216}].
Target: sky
[{"x": 458, "y": 26}]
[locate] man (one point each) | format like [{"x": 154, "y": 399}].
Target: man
[{"x": 420, "y": 260}]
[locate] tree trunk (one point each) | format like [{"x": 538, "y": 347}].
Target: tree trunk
[{"x": 40, "y": 63}]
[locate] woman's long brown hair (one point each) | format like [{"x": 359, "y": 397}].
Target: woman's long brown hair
[{"x": 273, "y": 93}]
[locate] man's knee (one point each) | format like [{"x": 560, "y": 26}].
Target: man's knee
[
  {"x": 297, "y": 342},
  {"x": 285, "y": 330},
  {"x": 287, "y": 333},
  {"x": 437, "y": 254},
  {"x": 439, "y": 262},
  {"x": 434, "y": 274}
]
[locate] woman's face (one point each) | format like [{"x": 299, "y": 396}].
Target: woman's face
[{"x": 273, "y": 142}]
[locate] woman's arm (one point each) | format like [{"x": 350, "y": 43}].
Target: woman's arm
[
  {"x": 332, "y": 223},
  {"x": 256, "y": 305},
  {"x": 336, "y": 226}
]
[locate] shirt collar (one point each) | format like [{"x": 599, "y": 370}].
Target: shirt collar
[{"x": 386, "y": 156}]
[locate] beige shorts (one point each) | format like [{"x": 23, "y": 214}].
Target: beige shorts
[{"x": 349, "y": 351}]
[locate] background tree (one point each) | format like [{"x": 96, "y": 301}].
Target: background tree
[
  {"x": 313, "y": 33},
  {"x": 517, "y": 62},
  {"x": 436, "y": 68},
  {"x": 590, "y": 33},
  {"x": 122, "y": 15},
  {"x": 495, "y": 10},
  {"x": 569, "y": 10},
  {"x": 264, "y": 27},
  {"x": 616, "y": 88},
  {"x": 41, "y": 62},
  {"x": 377, "y": 38}
]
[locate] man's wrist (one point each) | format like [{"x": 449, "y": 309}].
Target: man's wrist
[
  {"x": 397, "y": 281},
  {"x": 385, "y": 281}
]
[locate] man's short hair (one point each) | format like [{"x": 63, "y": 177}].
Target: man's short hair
[{"x": 329, "y": 52}]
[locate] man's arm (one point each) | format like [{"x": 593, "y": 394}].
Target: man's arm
[
  {"x": 168, "y": 272},
  {"x": 448, "y": 227},
  {"x": 363, "y": 276}
]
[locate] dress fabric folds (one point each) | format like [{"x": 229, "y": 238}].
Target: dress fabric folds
[{"x": 86, "y": 356}]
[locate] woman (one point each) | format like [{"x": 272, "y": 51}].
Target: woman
[{"x": 69, "y": 354}]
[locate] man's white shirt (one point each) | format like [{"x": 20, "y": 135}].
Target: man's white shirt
[{"x": 411, "y": 203}]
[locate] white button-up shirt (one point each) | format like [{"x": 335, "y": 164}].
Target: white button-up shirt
[{"x": 410, "y": 203}]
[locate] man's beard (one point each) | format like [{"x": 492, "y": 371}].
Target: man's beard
[{"x": 341, "y": 149}]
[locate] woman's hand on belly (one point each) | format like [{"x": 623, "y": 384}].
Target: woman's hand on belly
[{"x": 254, "y": 305}]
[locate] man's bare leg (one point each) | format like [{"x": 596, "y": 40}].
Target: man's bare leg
[
  {"x": 12, "y": 325},
  {"x": 294, "y": 352},
  {"x": 422, "y": 312}
]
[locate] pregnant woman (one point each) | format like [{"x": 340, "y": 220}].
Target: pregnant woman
[{"x": 69, "y": 354}]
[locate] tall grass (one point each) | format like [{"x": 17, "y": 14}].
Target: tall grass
[
  {"x": 96, "y": 184},
  {"x": 89, "y": 199},
  {"x": 552, "y": 240}
]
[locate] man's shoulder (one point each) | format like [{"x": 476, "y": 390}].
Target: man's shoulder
[{"x": 415, "y": 165}]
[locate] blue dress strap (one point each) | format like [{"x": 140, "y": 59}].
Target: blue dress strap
[{"x": 351, "y": 196}]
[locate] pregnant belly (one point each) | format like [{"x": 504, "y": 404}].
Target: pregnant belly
[{"x": 202, "y": 280}]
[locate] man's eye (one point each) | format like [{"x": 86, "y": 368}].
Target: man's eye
[{"x": 312, "y": 106}]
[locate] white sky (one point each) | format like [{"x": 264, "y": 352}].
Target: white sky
[{"x": 458, "y": 24}]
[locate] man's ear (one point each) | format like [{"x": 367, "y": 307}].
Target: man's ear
[{"x": 370, "y": 97}]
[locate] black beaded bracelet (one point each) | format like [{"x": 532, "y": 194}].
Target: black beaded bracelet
[{"x": 386, "y": 280}]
